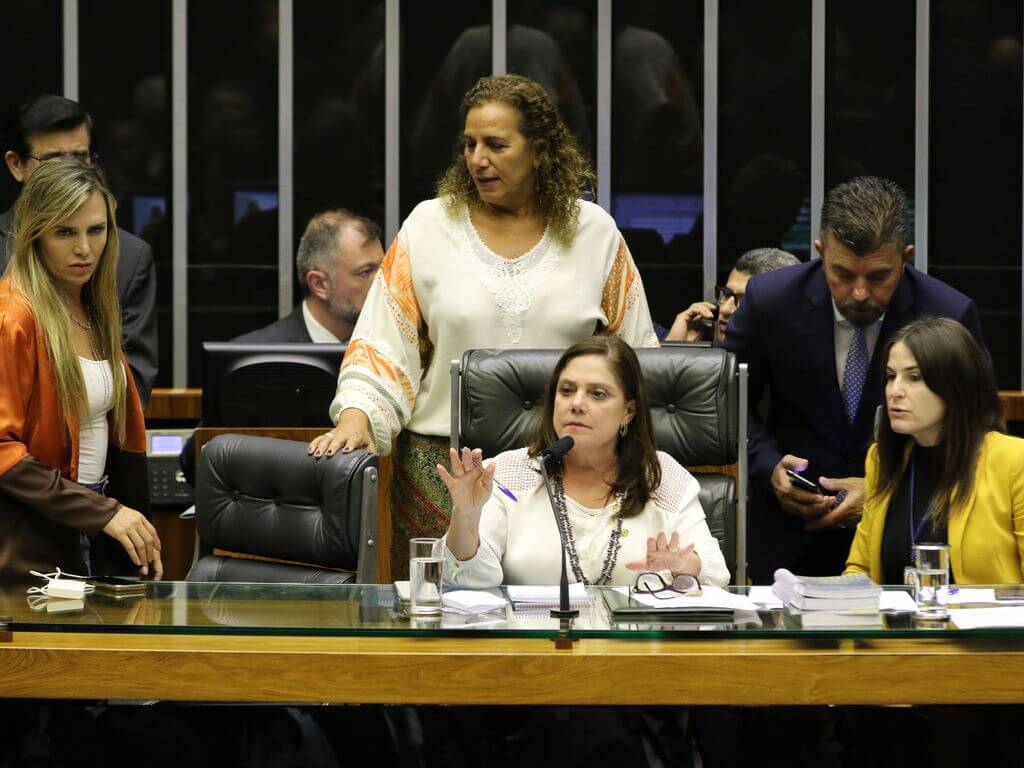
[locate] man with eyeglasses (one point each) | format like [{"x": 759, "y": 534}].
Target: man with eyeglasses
[
  {"x": 697, "y": 322},
  {"x": 809, "y": 334},
  {"x": 51, "y": 126}
]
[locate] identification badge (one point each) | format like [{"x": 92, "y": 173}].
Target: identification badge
[{"x": 909, "y": 575}]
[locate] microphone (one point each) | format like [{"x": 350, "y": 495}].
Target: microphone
[
  {"x": 557, "y": 449},
  {"x": 553, "y": 454}
]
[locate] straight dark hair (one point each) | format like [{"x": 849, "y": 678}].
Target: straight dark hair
[
  {"x": 956, "y": 368},
  {"x": 639, "y": 470},
  {"x": 43, "y": 114}
]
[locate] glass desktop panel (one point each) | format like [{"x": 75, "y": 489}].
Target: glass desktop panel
[
  {"x": 764, "y": 129},
  {"x": 974, "y": 177},
  {"x": 443, "y": 55},
  {"x": 870, "y": 91},
  {"x": 373, "y": 610},
  {"x": 339, "y": 111},
  {"x": 30, "y": 59},
  {"x": 657, "y": 147},
  {"x": 232, "y": 171},
  {"x": 129, "y": 98}
]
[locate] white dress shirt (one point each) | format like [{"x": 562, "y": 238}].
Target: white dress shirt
[{"x": 318, "y": 333}]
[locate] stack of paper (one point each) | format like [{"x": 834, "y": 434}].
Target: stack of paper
[
  {"x": 472, "y": 601},
  {"x": 829, "y": 601},
  {"x": 528, "y": 594}
]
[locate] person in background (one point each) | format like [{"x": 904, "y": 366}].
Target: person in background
[
  {"x": 942, "y": 470},
  {"x": 338, "y": 256},
  {"x": 623, "y": 506},
  {"x": 51, "y": 126},
  {"x": 809, "y": 334},
  {"x": 506, "y": 255},
  {"x": 687, "y": 325},
  {"x": 70, "y": 415}
]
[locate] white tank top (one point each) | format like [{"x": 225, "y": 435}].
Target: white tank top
[{"x": 93, "y": 433}]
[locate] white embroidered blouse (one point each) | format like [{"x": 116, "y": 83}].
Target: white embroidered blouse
[
  {"x": 519, "y": 540},
  {"x": 441, "y": 291}
]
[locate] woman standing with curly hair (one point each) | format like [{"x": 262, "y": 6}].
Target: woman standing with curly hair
[{"x": 506, "y": 255}]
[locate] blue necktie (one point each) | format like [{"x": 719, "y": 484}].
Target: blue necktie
[{"x": 856, "y": 372}]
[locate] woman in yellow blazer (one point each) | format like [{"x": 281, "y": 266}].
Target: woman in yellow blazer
[{"x": 942, "y": 470}]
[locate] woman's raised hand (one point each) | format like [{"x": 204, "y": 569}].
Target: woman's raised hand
[
  {"x": 665, "y": 554},
  {"x": 352, "y": 431},
  {"x": 469, "y": 483}
]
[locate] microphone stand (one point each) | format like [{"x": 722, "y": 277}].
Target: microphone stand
[{"x": 563, "y": 611}]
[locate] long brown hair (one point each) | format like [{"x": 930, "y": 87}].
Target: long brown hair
[
  {"x": 639, "y": 470},
  {"x": 564, "y": 173},
  {"x": 959, "y": 371},
  {"x": 55, "y": 191}
]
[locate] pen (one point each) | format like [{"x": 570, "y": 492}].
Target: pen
[{"x": 501, "y": 487}]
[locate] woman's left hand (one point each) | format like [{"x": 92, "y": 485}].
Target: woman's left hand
[{"x": 665, "y": 554}]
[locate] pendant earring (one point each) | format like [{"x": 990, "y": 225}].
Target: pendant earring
[{"x": 622, "y": 428}]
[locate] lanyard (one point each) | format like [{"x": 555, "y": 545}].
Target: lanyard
[{"x": 915, "y": 533}]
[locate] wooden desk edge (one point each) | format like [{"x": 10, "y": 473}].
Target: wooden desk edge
[{"x": 502, "y": 671}]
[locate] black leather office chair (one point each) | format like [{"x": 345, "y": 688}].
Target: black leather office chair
[
  {"x": 698, "y": 406},
  {"x": 267, "y": 498}
]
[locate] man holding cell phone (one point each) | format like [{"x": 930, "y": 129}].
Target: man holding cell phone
[
  {"x": 707, "y": 321},
  {"x": 809, "y": 334}
]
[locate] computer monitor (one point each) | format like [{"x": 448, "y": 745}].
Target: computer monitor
[{"x": 269, "y": 385}]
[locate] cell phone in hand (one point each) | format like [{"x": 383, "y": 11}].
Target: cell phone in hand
[
  {"x": 706, "y": 325},
  {"x": 802, "y": 482}
]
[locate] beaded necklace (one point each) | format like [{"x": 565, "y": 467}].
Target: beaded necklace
[{"x": 614, "y": 542}]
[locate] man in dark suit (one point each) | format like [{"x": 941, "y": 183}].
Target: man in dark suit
[
  {"x": 49, "y": 126},
  {"x": 339, "y": 255},
  {"x": 813, "y": 335}
]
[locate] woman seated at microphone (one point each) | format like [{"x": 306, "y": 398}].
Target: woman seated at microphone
[
  {"x": 942, "y": 471},
  {"x": 623, "y": 506}
]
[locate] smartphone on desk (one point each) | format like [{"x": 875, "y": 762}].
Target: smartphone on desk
[
  {"x": 802, "y": 482},
  {"x": 118, "y": 586}
]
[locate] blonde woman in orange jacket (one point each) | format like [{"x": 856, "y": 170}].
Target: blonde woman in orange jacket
[{"x": 70, "y": 417}]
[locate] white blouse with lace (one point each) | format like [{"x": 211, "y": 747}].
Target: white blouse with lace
[
  {"x": 441, "y": 291},
  {"x": 519, "y": 541}
]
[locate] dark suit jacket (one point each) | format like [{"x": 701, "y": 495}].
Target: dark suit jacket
[
  {"x": 785, "y": 330},
  {"x": 136, "y": 289},
  {"x": 290, "y": 329}
]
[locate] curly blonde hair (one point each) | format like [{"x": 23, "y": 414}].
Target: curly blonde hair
[{"x": 564, "y": 173}]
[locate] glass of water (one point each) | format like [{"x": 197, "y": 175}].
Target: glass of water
[
  {"x": 425, "y": 573},
  {"x": 931, "y": 580}
]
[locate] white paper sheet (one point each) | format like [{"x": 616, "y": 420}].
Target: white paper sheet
[
  {"x": 975, "y": 618},
  {"x": 964, "y": 595},
  {"x": 896, "y": 601},
  {"x": 545, "y": 595},
  {"x": 472, "y": 601},
  {"x": 764, "y": 596}
]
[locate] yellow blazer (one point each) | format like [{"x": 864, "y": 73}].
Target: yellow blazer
[{"x": 986, "y": 535}]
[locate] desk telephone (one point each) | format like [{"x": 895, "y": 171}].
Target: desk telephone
[{"x": 167, "y": 484}]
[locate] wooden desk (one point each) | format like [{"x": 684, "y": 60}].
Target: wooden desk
[
  {"x": 175, "y": 404},
  {"x": 507, "y": 671}
]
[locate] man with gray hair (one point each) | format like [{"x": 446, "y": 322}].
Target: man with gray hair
[
  {"x": 810, "y": 334},
  {"x": 689, "y": 324},
  {"x": 338, "y": 256}
]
